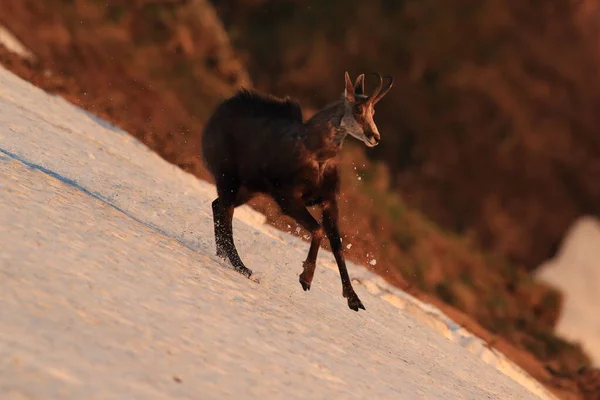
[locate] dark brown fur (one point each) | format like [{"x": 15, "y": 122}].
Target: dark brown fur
[{"x": 255, "y": 143}]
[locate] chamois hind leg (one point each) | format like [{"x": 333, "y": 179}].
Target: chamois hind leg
[
  {"x": 241, "y": 198},
  {"x": 295, "y": 208},
  {"x": 223, "y": 207}
]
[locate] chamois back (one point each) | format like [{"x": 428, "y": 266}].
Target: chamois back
[
  {"x": 253, "y": 104},
  {"x": 247, "y": 128}
]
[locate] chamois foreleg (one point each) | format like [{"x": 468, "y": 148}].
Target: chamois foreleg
[
  {"x": 296, "y": 209},
  {"x": 309, "y": 265},
  {"x": 223, "y": 208},
  {"x": 330, "y": 223}
]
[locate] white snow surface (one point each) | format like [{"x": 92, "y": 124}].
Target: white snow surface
[
  {"x": 575, "y": 271},
  {"x": 109, "y": 288},
  {"x": 13, "y": 44}
]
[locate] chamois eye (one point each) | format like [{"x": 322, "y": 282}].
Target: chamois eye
[{"x": 358, "y": 109}]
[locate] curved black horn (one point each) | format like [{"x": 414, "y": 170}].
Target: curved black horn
[
  {"x": 383, "y": 92},
  {"x": 379, "y": 88}
]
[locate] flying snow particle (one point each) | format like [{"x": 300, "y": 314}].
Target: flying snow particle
[
  {"x": 373, "y": 262},
  {"x": 349, "y": 246}
]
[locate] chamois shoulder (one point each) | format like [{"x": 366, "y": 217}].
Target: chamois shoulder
[{"x": 253, "y": 103}]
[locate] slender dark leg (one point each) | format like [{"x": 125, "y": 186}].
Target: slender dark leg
[
  {"x": 310, "y": 263},
  {"x": 223, "y": 207},
  {"x": 220, "y": 227},
  {"x": 330, "y": 223},
  {"x": 295, "y": 208}
]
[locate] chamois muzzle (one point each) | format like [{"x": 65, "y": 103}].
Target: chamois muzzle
[
  {"x": 371, "y": 139},
  {"x": 374, "y": 140}
]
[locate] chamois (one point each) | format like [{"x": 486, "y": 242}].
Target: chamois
[{"x": 256, "y": 143}]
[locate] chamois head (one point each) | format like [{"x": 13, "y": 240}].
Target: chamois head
[{"x": 360, "y": 108}]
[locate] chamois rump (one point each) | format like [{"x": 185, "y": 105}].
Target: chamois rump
[{"x": 256, "y": 143}]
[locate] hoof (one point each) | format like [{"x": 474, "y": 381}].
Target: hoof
[
  {"x": 305, "y": 285},
  {"x": 244, "y": 271},
  {"x": 307, "y": 274},
  {"x": 256, "y": 278},
  {"x": 354, "y": 302}
]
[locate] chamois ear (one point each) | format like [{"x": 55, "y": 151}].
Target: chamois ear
[
  {"x": 349, "y": 90},
  {"x": 359, "y": 85}
]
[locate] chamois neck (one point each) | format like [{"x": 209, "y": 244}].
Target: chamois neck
[{"x": 323, "y": 134}]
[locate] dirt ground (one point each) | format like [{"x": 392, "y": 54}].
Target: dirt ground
[{"x": 166, "y": 115}]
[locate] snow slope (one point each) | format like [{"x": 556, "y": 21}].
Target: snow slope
[
  {"x": 575, "y": 271},
  {"x": 109, "y": 288},
  {"x": 13, "y": 44}
]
